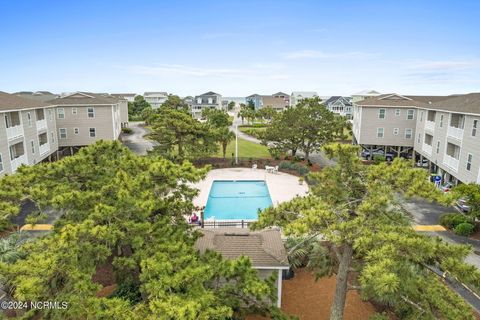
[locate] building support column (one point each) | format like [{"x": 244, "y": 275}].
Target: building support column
[{"x": 279, "y": 288}]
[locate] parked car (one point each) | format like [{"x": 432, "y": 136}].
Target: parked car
[
  {"x": 462, "y": 205},
  {"x": 446, "y": 187},
  {"x": 377, "y": 152},
  {"x": 423, "y": 163}
]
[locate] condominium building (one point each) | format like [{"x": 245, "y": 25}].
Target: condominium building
[
  {"x": 278, "y": 101},
  {"x": 340, "y": 105},
  {"x": 298, "y": 96},
  {"x": 208, "y": 100},
  {"x": 83, "y": 118},
  {"x": 439, "y": 129},
  {"x": 155, "y": 99},
  {"x": 27, "y": 132}
]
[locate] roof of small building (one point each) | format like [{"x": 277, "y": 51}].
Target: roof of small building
[
  {"x": 367, "y": 92},
  {"x": 209, "y": 93},
  {"x": 120, "y": 95},
  {"x": 264, "y": 247},
  {"x": 13, "y": 102},
  {"x": 81, "y": 98},
  {"x": 307, "y": 94},
  {"x": 334, "y": 99},
  {"x": 280, "y": 93},
  {"x": 152, "y": 93}
]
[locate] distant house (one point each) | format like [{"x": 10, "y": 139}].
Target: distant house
[
  {"x": 297, "y": 96},
  {"x": 130, "y": 97},
  {"x": 208, "y": 100},
  {"x": 264, "y": 248},
  {"x": 365, "y": 94},
  {"x": 277, "y": 101},
  {"x": 37, "y": 95},
  {"x": 155, "y": 99},
  {"x": 340, "y": 105}
]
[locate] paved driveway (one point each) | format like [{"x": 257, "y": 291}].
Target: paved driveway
[{"x": 136, "y": 141}]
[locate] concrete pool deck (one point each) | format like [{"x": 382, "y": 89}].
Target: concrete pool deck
[{"x": 283, "y": 187}]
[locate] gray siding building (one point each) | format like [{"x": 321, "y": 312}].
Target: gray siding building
[
  {"x": 27, "y": 132},
  {"x": 209, "y": 100},
  {"x": 439, "y": 129}
]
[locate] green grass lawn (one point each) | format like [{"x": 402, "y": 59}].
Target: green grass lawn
[
  {"x": 243, "y": 129},
  {"x": 246, "y": 149}
]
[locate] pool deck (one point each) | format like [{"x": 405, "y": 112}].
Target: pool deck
[{"x": 282, "y": 186}]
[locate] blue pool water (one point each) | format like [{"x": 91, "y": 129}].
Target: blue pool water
[{"x": 237, "y": 200}]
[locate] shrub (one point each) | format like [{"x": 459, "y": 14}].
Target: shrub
[
  {"x": 452, "y": 220},
  {"x": 300, "y": 169},
  {"x": 378, "y": 157},
  {"x": 464, "y": 229},
  {"x": 127, "y": 130}
]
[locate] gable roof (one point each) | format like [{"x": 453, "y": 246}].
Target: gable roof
[
  {"x": 305, "y": 94},
  {"x": 151, "y": 93},
  {"x": 280, "y": 93},
  {"x": 82, "y": 98},
  {"x": 467, "y": 103},
  {"x": 13, "y": 102},
  {"x": 264, "y": 248},
  {"x": 367, "y": 93},
  {"x": 209, "y": 93},
  {"x": 393, "y": 100},
  {"x": 121, "y": 95}
]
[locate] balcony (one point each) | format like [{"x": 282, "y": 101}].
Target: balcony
[
  {"x": 430, "y": 125},
  {"x": 14, "y": 132},
  {"x": 41, "y": 125},
  {"x": 44, "y": 149},
  {"x": 427, "y": 149},
  {"x": 17, "y": 162},
  {"x": 450, "y": 162},
  {"x": 455, "y": 133}
]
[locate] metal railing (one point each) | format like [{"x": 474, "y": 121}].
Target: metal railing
[{"x": 226, "y": 223}]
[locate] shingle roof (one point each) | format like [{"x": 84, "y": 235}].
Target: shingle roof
[
  {"x": 392, "y": 99},
  {"x": 121, "y": 95},
  {"x": 82, "y": 98},
  {"x": 12, "y": 102},
  {"x": 467, "y": 103},
  {"x": 367, "y": 93},
  {"x": 209, "y": 93},
  {"x": 264, "y": 248},
  {"x": 307, "y": 94}
]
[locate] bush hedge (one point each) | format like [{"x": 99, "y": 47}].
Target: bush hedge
[
  {"x": 300, "y": 169},
  {"x": 452, "y": 220},
  {"x": 464, "y": 229},
  {"x": 127, "y": 130}
]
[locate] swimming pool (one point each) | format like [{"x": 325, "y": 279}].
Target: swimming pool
[{"x": 237, "y": 200}]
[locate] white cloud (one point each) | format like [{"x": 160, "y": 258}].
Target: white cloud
[
  {"x": 177, "y": 69},
  {"x": 316, "y": 54},
  {"x": 446, "y": 65}
]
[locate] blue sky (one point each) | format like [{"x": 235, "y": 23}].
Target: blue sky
[{"x": 238, "y": 48}]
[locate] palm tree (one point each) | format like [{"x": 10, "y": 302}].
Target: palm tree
[
  {"x": 224, "y": 136},
  {"x": 9, "y": 246}
]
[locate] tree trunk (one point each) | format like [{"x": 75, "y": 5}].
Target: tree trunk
[
  {"x": 338, "y": 306},
  {"x": 294, "y": 152},
  {"x": 224, "y": 149}
]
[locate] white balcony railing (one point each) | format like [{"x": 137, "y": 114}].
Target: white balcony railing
[
  {"x": 41, "y": 124},
  {"x": 44, "y": 148},
  {"x": 430, "y": 125},
  {"x": 15, "y": 132},
  {"x": 427, "y": 149},
  {"x": 456, "y": 133},
  {"x": 450, "y": 162},
  {"x": 17, "y": 162}
]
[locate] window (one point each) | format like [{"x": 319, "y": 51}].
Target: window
[
  {"x": 418, "y": 139},
  {"x": 210, "y": 100},
  {"x": 91, "y": 112},
  {"x": 469, "y": 161},
  {"x": 61, "y": 113},
  {"x": 381, "y": 113},
  {"x": 92, "y": 132},
  {"x": 63, "y": 133},
  {"x": 1, "y": 163},
  {"x": 474, "y": 127},
  {"x": 52, "y": 137},
  {"x": 380, "y": 132},
  {"x": 438, "y": 146},
  {"x": 441, "y": 120},
  {"x": 397, "y": 112},
  {"x": 74, "y": 111},
  {"x": 410, "y": 114},
  {"x": 421, "y": 116},
  {"x": 76, "y": 130},
  {"x": 395, "y": 131},
  {"x": 199, "y": 100},
  {"x": 29, "y": 119},
  {"x": 50, "y": 114},
  {"x": 408, "y": 133},
  {"x": 32, "y": 145}
]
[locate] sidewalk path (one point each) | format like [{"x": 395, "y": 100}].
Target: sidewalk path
[{"x": 136, "y": 141}]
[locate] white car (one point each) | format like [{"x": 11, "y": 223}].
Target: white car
[
  {"x": 423, "y": 163},
  {"x": 447, "y": 187}
]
